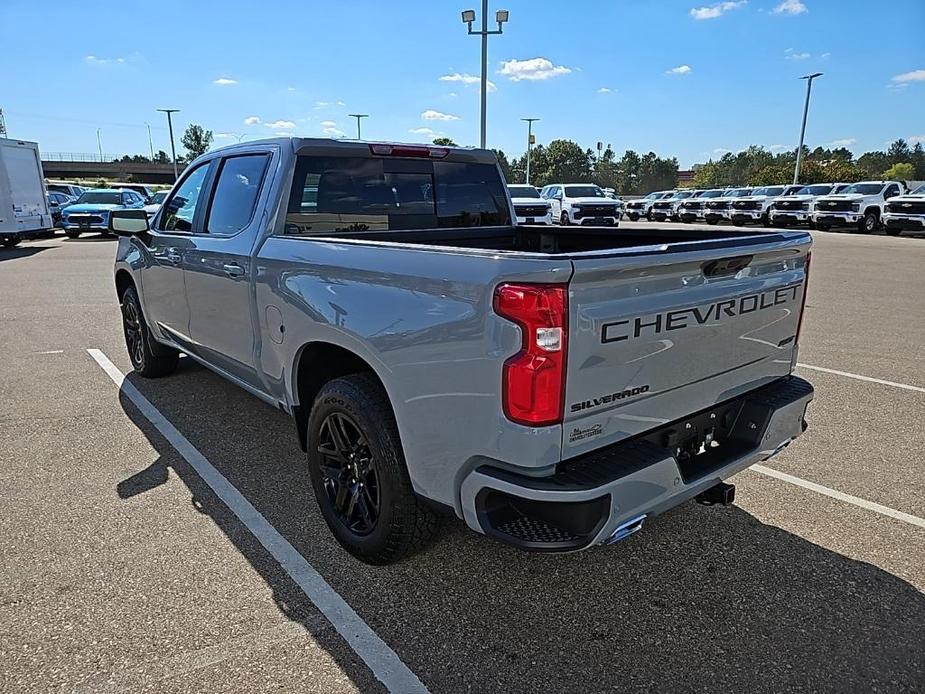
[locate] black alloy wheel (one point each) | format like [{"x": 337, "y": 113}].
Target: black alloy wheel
[{"x": 349, "y": 474}]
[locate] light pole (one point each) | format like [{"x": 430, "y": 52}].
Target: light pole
[
  {"x": 530, "y": 122},
  {"x": 809, "y": 87},
  {"x": 150, "y": 141},
  {"x": 468, "y": 17},
  {"x": 99, "y": 144},
  {"x": 173, "y": 148},
  {"x": 358, "y": 116}
]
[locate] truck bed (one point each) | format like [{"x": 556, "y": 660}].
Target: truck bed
[{"x": 567, "y": 240}]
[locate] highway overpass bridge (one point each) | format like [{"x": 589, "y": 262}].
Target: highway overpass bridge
[{"x": 136, "y": 172}]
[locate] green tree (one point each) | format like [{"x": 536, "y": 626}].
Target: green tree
[
  {"x": 842, "y": 172},
  {"x": 161, "y": 157},
  {"x": 567, "y": 162},
  {"x": 196, "y": 140},
  {"x": 899, "y": 152},
  {"x": 707, "y": 175},
  {"x": 444, "y": 142},
  {"x": 918, "y": 160},
  {"x": 903, "y": 171},
  {"x": 505, "y": 165}
]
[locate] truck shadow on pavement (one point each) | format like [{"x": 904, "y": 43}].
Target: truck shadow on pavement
[{"x": 702, "y": 599}]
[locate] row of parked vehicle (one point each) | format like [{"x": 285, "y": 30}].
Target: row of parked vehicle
[
  {"x": 866, "y": 206},
  {"x": 584, "y": 204},
  {"x": 79, "y": 210}
]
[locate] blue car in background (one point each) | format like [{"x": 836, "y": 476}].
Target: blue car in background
[{"x": 91, "y": 211}]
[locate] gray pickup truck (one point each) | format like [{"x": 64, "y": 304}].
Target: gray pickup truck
[{"x": 551, "y": 387}]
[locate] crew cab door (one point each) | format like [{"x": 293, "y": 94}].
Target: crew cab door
[
  {"x": 162, "y": 280},
  {"x": 217, "y": 265}
]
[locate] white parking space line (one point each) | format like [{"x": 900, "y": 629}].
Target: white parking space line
[
  {"x": 841, "y": 496},
  {"x": 382, "y": 660},
  {"x": 904, "y": 386}
]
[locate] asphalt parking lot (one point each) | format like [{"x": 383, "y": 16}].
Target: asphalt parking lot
[{"x": 122, "y": 571}]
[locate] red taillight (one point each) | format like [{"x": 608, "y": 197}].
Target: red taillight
[
  {"x": 533, "y": 380},
  {"x": 422, "y": 151},
  {"x": 809, "y": 255}
]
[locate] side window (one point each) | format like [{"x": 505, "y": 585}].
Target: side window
[
  {"x": 891, "y": 191},
  {"x": 180, "y": 208},
  {"x": 127, "y": 199},
  {"x": 236, "y": 194}
]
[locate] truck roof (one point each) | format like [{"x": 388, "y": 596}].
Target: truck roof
[{"x": 303, "y": 145}]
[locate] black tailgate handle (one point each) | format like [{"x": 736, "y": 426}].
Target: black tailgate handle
[{"x": 726, "y": 266}]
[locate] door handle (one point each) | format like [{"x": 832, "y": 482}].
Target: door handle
[
  {"x": 173, "y": 255},
  {"x": 233, "y": 269}
]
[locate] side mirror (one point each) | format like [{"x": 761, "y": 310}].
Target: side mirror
[{"x": 128, "y": 222}]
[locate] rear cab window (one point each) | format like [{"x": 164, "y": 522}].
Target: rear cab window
[{"x": 332, "y": 194}]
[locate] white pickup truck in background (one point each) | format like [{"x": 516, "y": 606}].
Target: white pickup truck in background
[
  {"x": 860, "y": 206},
  {"x": 905, "y": 213},
  {"x": 798, "y": 208},
  {"x": 529, "y": 206}
]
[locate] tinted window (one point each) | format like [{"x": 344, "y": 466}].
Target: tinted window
[
  {"x": 523, "y": 192},
  {"x": 180, "y": 209},
  {"x": 770, "y": 192},
  {"x": 376, "y": 194},
  {"x": 891, "y": 192},
  {"x": 127, "y": 198},
  {"x": 583, "y": 192},
  {"x": 814, "y": 190},
  {"x": 864, "y": 188},
  {"x": 100, "y": 198},
  {"x": 236, "y": 194},
  {"x": 159, "y": 197}
]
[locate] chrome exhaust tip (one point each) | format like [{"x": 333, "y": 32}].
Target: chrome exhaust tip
[{"x": 626, "y": 529}]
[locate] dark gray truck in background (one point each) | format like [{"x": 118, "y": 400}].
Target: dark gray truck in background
[{"x": 551, "y": 387}]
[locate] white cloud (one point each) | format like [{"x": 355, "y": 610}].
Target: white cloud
[
  {"x": 844, "y": 142},
  {"x": 715, "y": 10},
  {"x": 322, "y": 104},
  {"x": 606, "y": 90},
  {"x": 281, "y": 125},
  {"x": 897, "y": 85},
  {"x": 283, "y": 134},
  {"x": 431, "y": 114},
  {"x": 252, "y": 120},
  {"x": 333, "y": 132},
  {"x": 531, "y": 69},
  {"x": 778, "y": 148},
  {"x": 466, "y": 79},
  {"x": 328, "y": 124},
  {"x": 791, "y": 7},
  {"x": 680, "y": 70},
  {"x": 290, "y": 89},
  {"x": 794, "y": 55},
  {"x": 914, "y": 76},
  {"x": 224, "y": 81},
  {"x": 825, "y": 56},
  {"x": 452, "y": 95},
  {"x": 916, "y": 139},
  {"x": 427, "y": 132},
  {"x": 225, "y": 136},
  {"x": 721, "y": 151},
  {"x": 339, "y": 103},
  {"x": 99, "y": 62}
]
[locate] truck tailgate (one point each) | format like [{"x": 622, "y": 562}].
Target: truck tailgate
[{"x": 654, "y": 337}]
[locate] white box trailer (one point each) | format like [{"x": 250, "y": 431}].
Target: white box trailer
[{"x": 23, "y": 206}]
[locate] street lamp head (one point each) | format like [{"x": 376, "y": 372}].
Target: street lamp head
[
  {"x": 468, "y": 16},
  {"x": 812, "y": 76},
  {"x": 502, "y": 16}
]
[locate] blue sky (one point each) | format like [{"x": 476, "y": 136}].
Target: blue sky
[{"x": 688, "y": 79}]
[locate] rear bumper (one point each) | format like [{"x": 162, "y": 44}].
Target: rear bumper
[{"x": 593, "y": 498}]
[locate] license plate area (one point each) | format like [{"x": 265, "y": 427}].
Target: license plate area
[{"x": 709, "y": 440}]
